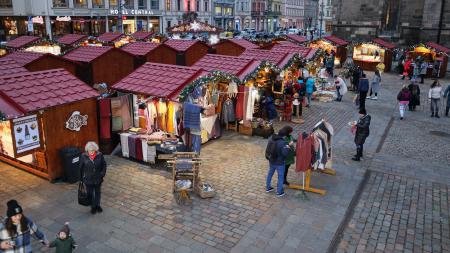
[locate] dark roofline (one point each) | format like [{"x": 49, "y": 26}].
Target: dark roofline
[
  {"x": 198, "y": 41},
  {"x": 51, "y": 56}
]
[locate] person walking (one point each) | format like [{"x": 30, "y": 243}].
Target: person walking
[
  {"x": 17, "y": 229},
  {"x": 423, "y": 70},
  {"x": 416, "y": 68},
  {"x": 447, "y": 95},
  {"x": 375, "y": 85},
  {"x": 362, "y": 132},
  {"x": 330, "y": 65},
  {"x": 64, "y": 242},
  {"x": 290, "y": 158},
  {"x": 309, "y": 89},
  {"x": 276, "y": 152},
  {"x": 363, "y": 88},
  {"x": 356, "y": 75},
  {"x": 406, "y": 69},
  {"x": 403, "y": 98},
  {"x": 434, "y": 95},
  {"x": 93, "y": 170},
  {"x": 341, "y": 87},
  {"x": 414, "y": 99}
]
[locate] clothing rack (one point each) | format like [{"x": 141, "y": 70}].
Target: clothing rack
[{"x": 306, "y": 176}]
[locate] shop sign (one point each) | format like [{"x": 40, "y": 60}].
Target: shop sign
[
  {"x": 76, "y": 121},
  {"x": 63, "y": 19},
  {"x": 132, "y": 12},
  {"x": 38, "y": 20},
  {"x": 26, "y": 133}
]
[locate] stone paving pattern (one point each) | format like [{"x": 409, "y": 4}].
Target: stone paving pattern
[{"x": 140, "y": 214}]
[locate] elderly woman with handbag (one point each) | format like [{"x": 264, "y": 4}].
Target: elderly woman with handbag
[{"x": 93, "y": 170}]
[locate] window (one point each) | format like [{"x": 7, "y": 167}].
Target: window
[
  {"x": 113, "y": 3},
  {"x": 168, "y": 5},
  {"x": 218, "y": 10},
  {"x": 129, "y": 4},
  {"x": 179, "y": 5},
  {"x": 169, "y": 24},
  {"x": 197, "y": 8},
  {"x": 7, "y": 3},
  {"x": 56, "y": 3},
  {"x": 206, "y": 6},
  {"x": 80, "y": 3},
  {"x": 154, "y": 4},
  {"x": 98, "y": 4},
  {"x": 242, "y": 6},
  {"x": 188, "y": 5},
  {"x": 228, "y": 11},
  {"x": 142, "y": 4}
]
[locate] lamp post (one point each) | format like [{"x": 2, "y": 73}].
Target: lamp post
[
  {"x": 321, "y": 19},
  {"x": 121, "y": 3}
]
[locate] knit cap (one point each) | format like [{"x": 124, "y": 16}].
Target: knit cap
[{"x": 13, "y": 208}]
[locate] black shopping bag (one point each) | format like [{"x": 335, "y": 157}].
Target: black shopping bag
[{"x": 83, "y": 198}]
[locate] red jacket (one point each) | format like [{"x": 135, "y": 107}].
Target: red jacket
[{"x": 304, "y": 153}]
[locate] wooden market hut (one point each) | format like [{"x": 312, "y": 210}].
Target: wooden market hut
[
  {"x": 109, "y": 38},
  {"x": 234, "y": 47},
  {"x": 33, "y": 44},
  {"x": 151, "y": 52},
  {"x": 70, "y": 41},
  {"x": 328, "y": 43},
  {"x": 188, "y": 51},
  {"x": 296, "y": 39},
  {"x": 237, "y": 66},
  {"x": 21, "y": 42},
  {"x": 10, "y": 67},
  {"x": 304, "y": 52},
  {"x": 142, "y": 36},
  {"x": 369, "y": 55},
  {"x": 101, "y": 64},
  {"x": 44, "y": 112},
  {"x": 37, "y": 62},
  {"x": 436, "y": 55},
  {"x": 280, "y": 59}
]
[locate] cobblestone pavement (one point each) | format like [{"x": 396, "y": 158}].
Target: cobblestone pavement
[{"x": 140, "y": 213}]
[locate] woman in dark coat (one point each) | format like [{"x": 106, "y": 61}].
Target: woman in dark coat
[
  {"x": 414, "y": 98},
  {"x": 93, "y": 170},
  {"x": 362, "y": 132}
]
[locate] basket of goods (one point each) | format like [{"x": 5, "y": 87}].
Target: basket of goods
[
  {"x": 255, "y": 123},
  {"x": 205, "y": 190}
]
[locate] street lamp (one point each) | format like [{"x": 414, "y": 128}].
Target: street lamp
[{"x": 321, "y": 19}]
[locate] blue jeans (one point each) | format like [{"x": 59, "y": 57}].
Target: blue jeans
[
  {"x": 308, "y": 95},
  {"x": 280, "y": 171},
  {"x": 196, "y": 143}
]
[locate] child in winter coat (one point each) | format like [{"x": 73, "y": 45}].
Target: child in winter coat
[
  {"x": 403, "y": 100},
  {"x": 64, "y": 243}
]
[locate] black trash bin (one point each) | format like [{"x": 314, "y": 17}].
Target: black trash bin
[{"x": 70, "y": 157}]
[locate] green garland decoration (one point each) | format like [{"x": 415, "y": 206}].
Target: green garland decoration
[{"x": 263, "y": 65}]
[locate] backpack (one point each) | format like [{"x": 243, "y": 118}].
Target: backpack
[{"x": 271, "y": 150}]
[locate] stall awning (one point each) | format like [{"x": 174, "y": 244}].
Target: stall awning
[
  {"x": 70, "y": 39},
  {"x": 140, "y": 48},
  {"x": 273, "y": 57},
  {"x": 182, "y": 45},
  {"x": 34, "y": 91},
  {"x": 22, "y": 57},
  {"x": 10, "y": 67},
  {"x": 22, "y": 41},
  {"x": 438, "y": 47},
  {"x": 384, "y": 43},
  {"x": 159, "y": 80},
  {"x": 245, "y": 44},
  {"x": 86, "y": 54},
  {"x": 109, "y": 37},
  {"x": 336, "y": 40},
  {"x": 228, "y": 64},
  {"x": 142, "y": 35},
  {"x": 296, "y": 38}
]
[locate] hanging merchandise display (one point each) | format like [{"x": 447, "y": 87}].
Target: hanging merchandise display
[{"x": 435, "y": 55}]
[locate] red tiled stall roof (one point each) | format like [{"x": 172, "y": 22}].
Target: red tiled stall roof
[
  {"x": 109, "y": 37},
  {"x": 244, "y": 43},
  {"x": 142, "y": 35},
  {"x": 384, "y": 43},
  {"x": 160, "y": 80},
  {"x": 228, "y": 64},
  {"x": 273, "y": 57},
  {"x": 22, "y": 58},
  {"x": 86, "y": 54},
  {"x": 438, "y": 47},
  {"x": 10, "y": 67},
  {"x": 304, "y": 52},
  {"x": 181, "y": 45},
  {"x": 140, "y": 48},
  {"x": 70, "y": 39},
  {"x": 336, "y": 40},
  {"x": 22, "y": 41},
  {"x": 43, "y": 89},
  {"x": 297, "y": 38}
]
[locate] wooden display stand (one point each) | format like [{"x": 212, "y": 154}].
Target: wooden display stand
[
  {"x": 307, "y": 180},
  {"x": 182, "y": 195}
]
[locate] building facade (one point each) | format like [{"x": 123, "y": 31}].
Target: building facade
[
  {"x": 266, "y": 15},
  {"x": 325, "y": 16},
  {"x": 311, "y": 12},
  {"x": 406, "y": 22},
  {"x": 293, "y": 14},
  {"x": 94, "y": 17},
  {"x": 243, "y": 18},
  {"x": 223, "y": 14}
]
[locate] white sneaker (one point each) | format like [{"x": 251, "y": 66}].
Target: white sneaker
[{"x": 374, "y": 98}]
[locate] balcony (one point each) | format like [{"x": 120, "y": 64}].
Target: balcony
[
  {"x": 273, "y": 13},
  {"x": 257, "y": 13}
]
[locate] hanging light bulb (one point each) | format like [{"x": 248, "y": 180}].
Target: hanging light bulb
[{"x": 214, "y": 39}]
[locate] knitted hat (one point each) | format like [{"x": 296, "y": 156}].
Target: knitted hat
[
  {"x": 65, "y": 229},
  {"x": 13, "y": 208}
]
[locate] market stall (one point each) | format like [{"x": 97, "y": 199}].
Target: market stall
[
  {"x": 332, "y": 43},
  {"x": 435, "y": 55},
  {"x": 101, "y": 64},
  {"x": 37, "y": 121},
  {"x": 151, "y": 52},
  {"x": 143, "y": 36},
  {"x": 21, "y": 42},
  {"x": 154, "y": 122},
  {"x": 194, "y": 29},
  {"x": 234, "y": 47},
  {"x": 373, "y": 55},
  {"x": 33, "y": 44},
  {"x": 114, "y": 39},
  {"x": 71, "y": 41},
  {"x": 188, "y": 51},
  {"x": 38, "y": 62},
  {"x": 10, "y": 67},
  {"x": 296, "y": 39}
]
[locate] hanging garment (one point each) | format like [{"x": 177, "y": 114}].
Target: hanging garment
[
  {"x": 215, "y": 96},
  {"x": 323, "y": 136},
  {"x": 251, "y": 99},
  {"x": 304, "y": 152},
  {"x": 151, "y": 154},
  {"x": 170, "y": 117},
  {"x": 116, "y": 114},
  {"x": 132, "y": 145},
  {"x": 105, "y": 118},
  {"x": 124, "y": 144},
  {"x": 162, "y": 115},
  {"x": 207, "y": 123},
  {"x": 142, "y": 119},
  {"x": 138, "y": 144},
  {"x": 191, "y": 116},
  {"x": 125, "y": 112},
  {"x": 246, "y": 97},
  {"x": 240, "y": 103},
  {"x": 135, "y": 107},
  {"x": 232, "y": 90},
  {"x": 176, "y": 117},
  {"x": 144, "y": 150},
  {"x": 228, "y": 114}
]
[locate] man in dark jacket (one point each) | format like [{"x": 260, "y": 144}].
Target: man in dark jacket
[
  {"x": 277, "y": 161},
  {"x": 362, "y": 132},
  {"x": 363, "y": 88}
]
